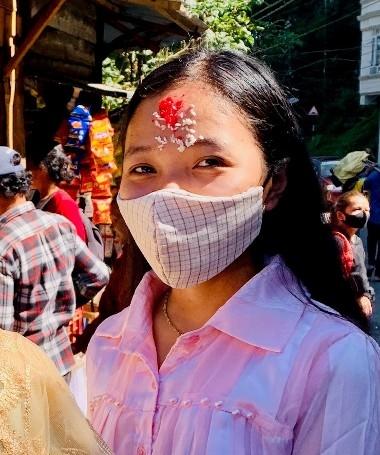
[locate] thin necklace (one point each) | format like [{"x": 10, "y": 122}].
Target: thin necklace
[{"x": 168, "y": 320}]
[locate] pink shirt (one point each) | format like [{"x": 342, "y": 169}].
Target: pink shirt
[{"x": 268, "y": 374}]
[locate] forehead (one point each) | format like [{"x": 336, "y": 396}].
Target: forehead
[
  {"x": 212, "y": 109},
  {"x": 359, "y": 200}
]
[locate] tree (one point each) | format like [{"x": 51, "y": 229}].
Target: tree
[
  {"x": 229, "y": 26},
  {"x": 229, "y": 22},
  {"x": 314, "y": 48}
]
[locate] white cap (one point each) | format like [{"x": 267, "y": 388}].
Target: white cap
[{"x": 10, "y": 161}]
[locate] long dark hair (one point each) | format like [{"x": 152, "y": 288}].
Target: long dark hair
[{"x": 294, "y": 229}]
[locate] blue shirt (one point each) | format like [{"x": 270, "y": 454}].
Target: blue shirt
[{"x": 372, "y": 184}]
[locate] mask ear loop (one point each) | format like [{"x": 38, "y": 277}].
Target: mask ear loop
[
  {"x": 267, "y": 178},
  {"x": 266, "y": 181}
]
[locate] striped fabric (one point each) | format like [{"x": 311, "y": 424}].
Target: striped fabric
[
  {"x": 38, "y": 253},
  {"x": 189, "y": 238}
]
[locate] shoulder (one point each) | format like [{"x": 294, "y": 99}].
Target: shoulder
[
  {"x": 347, "y": 351},
  {"x": 25, "y": 355},
  {"x": 55, "y": 219},
  {"x": 103, "y": 353},
  {"x": 357, "y": 242},
  {"x": 109, "y": 331},
  {"x": 355, "y": 357},
  {"x": 63, "y": 196}
]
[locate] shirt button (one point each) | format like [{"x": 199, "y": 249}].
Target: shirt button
[
  {"x": 219, "y": 404},
  {"x": 186, "y": 403},
  {"x": 236, "y": 412},
  {"x": 173, "y": 401},
  {"x": 205, "y": 401},
  {"x": 141, "y": 450}
]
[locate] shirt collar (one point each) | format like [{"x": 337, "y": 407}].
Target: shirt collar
[
  {"x": 16, "y": 211},
  {"x": 263, "y": 313}
]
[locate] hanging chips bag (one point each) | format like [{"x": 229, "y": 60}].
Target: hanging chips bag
[
  {"x": 102, "y": 211},
  {"x": 102, "y": 185},
  {"x": 101, "y": 143}
]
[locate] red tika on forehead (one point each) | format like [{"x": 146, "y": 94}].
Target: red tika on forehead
[{"x": 169, "y": 110}]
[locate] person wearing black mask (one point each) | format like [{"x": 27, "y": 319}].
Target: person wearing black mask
[{"x": 350, "y": 214}]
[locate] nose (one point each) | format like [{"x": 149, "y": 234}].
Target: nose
[{"x": 172, "y": 186}]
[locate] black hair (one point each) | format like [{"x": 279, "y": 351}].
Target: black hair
[
  {"x": 15, "y": 184},
  {"x": 58, "y": 165},
  {"x": 294, "y": 229}
]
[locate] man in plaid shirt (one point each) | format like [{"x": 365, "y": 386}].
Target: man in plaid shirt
[{"x": 39, "y": 251}]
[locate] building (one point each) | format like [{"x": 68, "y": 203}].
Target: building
[
  {"x": 370, "y": 59},
  {"x": 65, "y": 41},
  {"x": 369, "y": 81}
]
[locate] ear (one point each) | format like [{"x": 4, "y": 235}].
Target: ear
[
  {"x": 275, "y": 189},
  {"x": 340, "y": 216}
]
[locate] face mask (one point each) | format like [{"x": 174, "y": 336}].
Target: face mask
[
  {"x": 358, "y": 220},
  {"x": 187, "y": 238}
]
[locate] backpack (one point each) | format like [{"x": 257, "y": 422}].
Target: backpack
[{"x": 94, "y": 238}]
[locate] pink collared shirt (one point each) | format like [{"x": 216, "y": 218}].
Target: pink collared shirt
[{"x": 268, "y": 374}]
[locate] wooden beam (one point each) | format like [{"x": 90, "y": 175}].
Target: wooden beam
[
  {"x": 108, "y": 6},
  {"x": 41, "y": 21},
  {"x": 174, "y": 16},
  {"x": 173, "y": 4}
]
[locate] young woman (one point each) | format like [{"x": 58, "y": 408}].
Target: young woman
[
  {"x": 49, "y": 169},
  {"x": 351, "y": 213},
  {"x": 245, "y": 338}
]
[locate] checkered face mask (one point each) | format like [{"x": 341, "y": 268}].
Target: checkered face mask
[{"x": 188, "y": 238}]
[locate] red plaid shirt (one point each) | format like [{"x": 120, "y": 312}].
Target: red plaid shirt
[{"x": 39, "y": 252}]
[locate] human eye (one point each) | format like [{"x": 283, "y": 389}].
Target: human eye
[
  {"x": 211, "y": 162},
  {"x": 142, "y": 169}
]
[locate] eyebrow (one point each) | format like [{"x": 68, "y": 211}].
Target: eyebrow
[{"x": 207, "y": 142}]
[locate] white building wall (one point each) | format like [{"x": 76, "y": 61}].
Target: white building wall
[{"x": 370, "y": 55}]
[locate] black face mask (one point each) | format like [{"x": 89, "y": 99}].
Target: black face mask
[{"x": 357, "y": 221}]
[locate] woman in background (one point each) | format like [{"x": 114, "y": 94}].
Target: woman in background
[
  {"x": 351, "y": 213},
  {"x": 50, "y": 168}
]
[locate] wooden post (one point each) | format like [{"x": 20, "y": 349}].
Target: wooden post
[
  {"x": 41, "y": 21},
  {"x": 3, "y": 43},
  {"x": 12, "y": 76}
]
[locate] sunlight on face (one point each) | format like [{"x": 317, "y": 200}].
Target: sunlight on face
[
  {"x": 225, "y": 160},
  {"x": 358, "y": 204}
]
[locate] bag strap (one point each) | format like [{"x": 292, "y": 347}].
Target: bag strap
[{"x": 43, "y": 202}]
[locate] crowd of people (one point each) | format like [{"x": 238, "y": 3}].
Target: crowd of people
[{"x": 235, "y": 320}]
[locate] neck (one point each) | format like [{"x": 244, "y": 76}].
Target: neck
[
  {"x": 47, "y": 189},
  {"x": 10, "y": 203},
  {"x": 191, "y": 308},
  {"x": 349, "y": 232}
]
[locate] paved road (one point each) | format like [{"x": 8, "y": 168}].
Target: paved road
[{"x": 375, "y": 323}]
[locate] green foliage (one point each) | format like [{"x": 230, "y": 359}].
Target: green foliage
[
  {"x": 229, "y": 23},
  {"x": 358, "y": 136},
  {"x": 229, "y": 26}
]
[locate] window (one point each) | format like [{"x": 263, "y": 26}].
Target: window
[{"x": 375, "y": 58}]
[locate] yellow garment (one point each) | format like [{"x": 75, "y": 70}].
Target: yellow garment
[
  {"x": 359, "y": 185},
  {"x": 351, "y": 165},
  {"x": 38, "y": 415}
]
